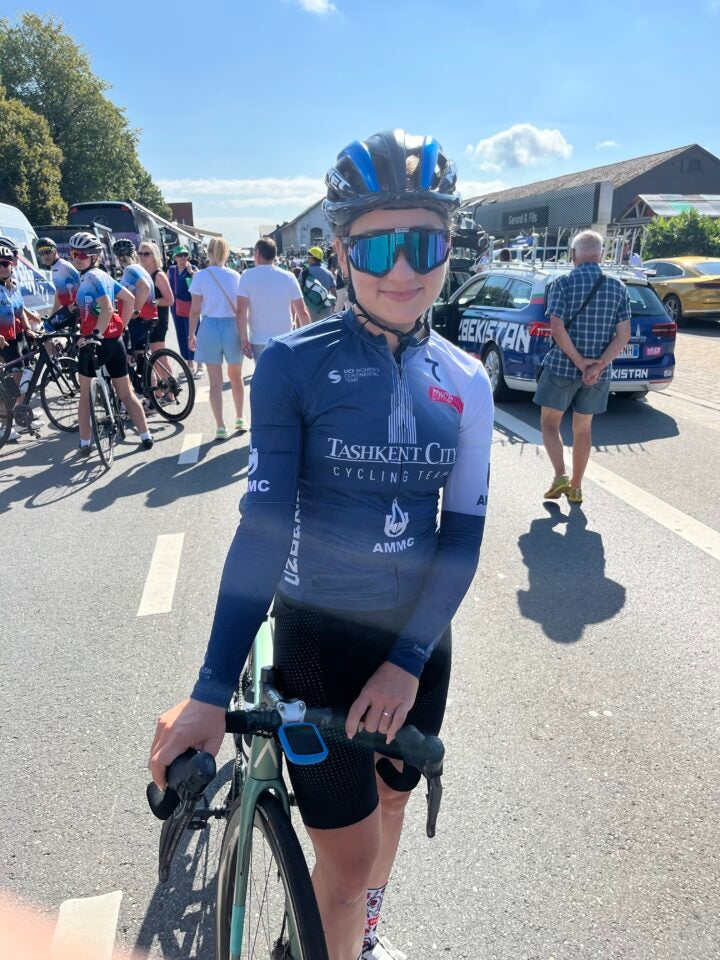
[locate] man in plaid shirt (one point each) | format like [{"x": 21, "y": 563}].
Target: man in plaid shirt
[{"x": 576, "y": 369}]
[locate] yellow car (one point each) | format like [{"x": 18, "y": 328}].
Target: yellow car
[{"x": 687, "y": 286}]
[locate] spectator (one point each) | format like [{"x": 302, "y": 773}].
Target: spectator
[
  {"x": 151, "y": 259},
  {"x": 316, "y": 271},
  {"x": 505, "y": 255},
  {"x": 268, "y": 298},
  {"x": 576, "y": 369},
  {"x": 214, "y": 293},
  {"x": 342, "y": 294},
  {"x": 180, "y": 276}
]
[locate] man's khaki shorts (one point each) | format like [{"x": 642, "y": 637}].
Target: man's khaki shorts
[{"x": 561, "y": 392}]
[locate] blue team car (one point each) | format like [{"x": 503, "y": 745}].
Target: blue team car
[{"x": 499, "y": 316}]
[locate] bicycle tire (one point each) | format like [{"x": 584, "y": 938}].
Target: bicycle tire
[
  {"x": 67, "y": 397},
  {"x": 103, "y": 424},
  {"x": 174, "y": 411},
  {"x": 276, "y": 831},
  {"x": 6, "y": 417}
]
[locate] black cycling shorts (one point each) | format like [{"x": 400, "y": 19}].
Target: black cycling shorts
[
  {"x": 137, "y": 330},
  {"x": 325, "y": 657},
  {"x": 11, "y": 352},
  {"x": 111, "y": 354}
]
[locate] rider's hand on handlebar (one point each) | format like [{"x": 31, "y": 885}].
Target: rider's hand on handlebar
[
  {"x": 189, "y": 724},
  {"x": 384, "y": 702},
  {"x": 3, "y": 342}
]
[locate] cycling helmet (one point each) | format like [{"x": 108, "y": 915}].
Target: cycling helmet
[
  {"x": 7, "y": 252},
  {"x": 85, "y": 241},
  {"x": 374, "y": 174},
  {"x": 124, "y": 248},
  {"x": 10, "y": 248},
  {"x": 45, "y": 243}
]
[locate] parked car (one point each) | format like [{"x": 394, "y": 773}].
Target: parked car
[
  {"x": 687, "y": 286},
  {"x": 499, "y": 317},
  {"x": 35, "y": 283}
]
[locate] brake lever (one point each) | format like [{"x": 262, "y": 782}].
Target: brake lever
[{"x": 434, "y": 797}]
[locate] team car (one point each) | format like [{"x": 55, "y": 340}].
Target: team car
[{"x": 499, "y": 317}]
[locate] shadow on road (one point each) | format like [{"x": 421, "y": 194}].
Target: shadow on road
[
  {"x": 700, "y": 328},
  {"x": 568, "y": 588},
  {"x": 180, "y": 918}
]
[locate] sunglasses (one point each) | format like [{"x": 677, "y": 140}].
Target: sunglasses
[
  {"x": 79, "y": 255},
  {"x": 377, "y": 253},
  {"x": 46, "y": 252},
  {"x": 146, "y": 253},
  {"x": 7, "y": 263}
]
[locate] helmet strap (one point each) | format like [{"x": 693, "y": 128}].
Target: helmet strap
[{"x": 405, "y": 338}]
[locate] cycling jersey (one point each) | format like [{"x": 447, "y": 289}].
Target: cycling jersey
[
  {"x": 94, "y": 284},
  {"x": 129, "y": 279},
  {"x": 350, "y": 447},
  {"x": 11, "y": 309},
  {"x": 66, "y": 280}
]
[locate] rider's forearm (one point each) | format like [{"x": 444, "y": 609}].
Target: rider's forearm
[
  {"x": 563, "y": 339},
  {"x": 104, "y": 319},
  {"x": 448, "y": 580}
]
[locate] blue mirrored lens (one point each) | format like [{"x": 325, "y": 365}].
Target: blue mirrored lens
[{"x": 424, "y": 249}]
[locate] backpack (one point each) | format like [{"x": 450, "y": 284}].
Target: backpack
[{"x": 316, "y": 295}]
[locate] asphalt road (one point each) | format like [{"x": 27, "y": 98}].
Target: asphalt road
[{"x": 580, "y": 808}]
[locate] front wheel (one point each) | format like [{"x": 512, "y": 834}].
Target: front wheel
[
  {"x": 60, "y": 393},
  {"x": 103, "y": 423},
  {"x": 169, "y": 385},
  {"x": 281, "y": 917},
  {"x": 493, "y": 362}
]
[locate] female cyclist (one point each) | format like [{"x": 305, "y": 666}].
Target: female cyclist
[
  {"x": 359, "y": 421},
  {"x": 15, "y": 318}
]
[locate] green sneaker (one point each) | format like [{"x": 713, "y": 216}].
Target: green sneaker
[
  {"x": 558, "y": 487},
  {"x": 241, "y": 423},
  {"x": 221, "y": 433},
  {"x": 574, "y": 495}
]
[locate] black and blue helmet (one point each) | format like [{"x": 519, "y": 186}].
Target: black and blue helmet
[{"x": 374, "y": 174}]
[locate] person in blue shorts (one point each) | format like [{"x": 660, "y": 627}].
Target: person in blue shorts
[{"x": 359, "y": 422}]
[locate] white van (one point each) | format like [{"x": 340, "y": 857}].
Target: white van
[{"x": 35, "y": 284}]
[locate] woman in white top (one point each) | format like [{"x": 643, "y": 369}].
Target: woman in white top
[{"x": 214, "y": 292}]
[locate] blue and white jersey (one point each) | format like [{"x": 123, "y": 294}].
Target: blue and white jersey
[
  {"x": 94, "y": 285},
  {"x": 66, "y": 280},
  {"x": 134, "y": 272},
  {"x": 350, "y": 450},
  {"x": 12, "y": 306}
]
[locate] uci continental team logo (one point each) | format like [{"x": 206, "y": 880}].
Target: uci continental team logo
[{"x": 334, "y": 376}]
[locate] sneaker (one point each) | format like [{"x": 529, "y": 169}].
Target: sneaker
[
  {"x": 558, "y": 487},
  {"x": 14, "y": 436},
  {"x": 147, "y": 443},
  {"x": 383, "y": 950},
  {"x": 221, "y": 433},
  {"x": 84, "y": 451},
  {"x": 241, "y": 423},
  {"x": 197, "y": 374},
  {"x": 574, "y": 495}
]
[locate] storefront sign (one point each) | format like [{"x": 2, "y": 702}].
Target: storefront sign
[{"x": 526, "y": 219}]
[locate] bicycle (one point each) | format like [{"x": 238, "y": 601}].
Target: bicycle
[
  {"x": 107, "y": 422},
  {"x": 261, "y": 858},
  {"x": 56, "y": 378},
  {"x": 163, "y": 378}
]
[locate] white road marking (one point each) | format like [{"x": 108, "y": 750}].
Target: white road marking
[
  {"x": 91, "y": 921},
  {"x": 687, "y": 527},
  {"x": 160, "y": 583},
  {"x": 190, "y": 448}
]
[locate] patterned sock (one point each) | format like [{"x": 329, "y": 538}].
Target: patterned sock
[{"x": 374, "y": 905}]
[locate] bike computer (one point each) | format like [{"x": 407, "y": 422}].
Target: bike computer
[{"x": 302, "y": 743}]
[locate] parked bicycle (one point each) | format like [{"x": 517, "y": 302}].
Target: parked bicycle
[
  {"x": 163, "y": 378},
  {"x": 53, "y": 376},
  {"x": 266, "y": 905},
  {"x": 107, "y": 416}
]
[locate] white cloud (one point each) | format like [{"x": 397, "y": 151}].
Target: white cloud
[
  {"x": 520, "y": 146},
  {"x": 318, "y": 6},
  {"x": 478, "y": 188},
  {"x": 606, "y": 145}
]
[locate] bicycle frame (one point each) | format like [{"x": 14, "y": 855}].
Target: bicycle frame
[{"x": 264, "y": 772}]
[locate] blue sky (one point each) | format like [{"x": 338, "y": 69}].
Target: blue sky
[{"x": 243, "y": 106}]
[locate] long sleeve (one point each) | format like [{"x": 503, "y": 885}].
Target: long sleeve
[
  {"x": 462, "y": 524},
  {"x": 260, "y": 547}
]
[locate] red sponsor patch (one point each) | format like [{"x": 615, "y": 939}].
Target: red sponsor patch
[{"x": 442, "y": 396}]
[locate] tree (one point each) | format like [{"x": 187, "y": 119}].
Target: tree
[
  {"x": 45, "y": 69},
  {"x": 687, "y": 234},
  {"x": 29, "y": 164}
]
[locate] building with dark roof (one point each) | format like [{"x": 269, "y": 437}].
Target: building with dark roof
[{"x": 596, "y": 198}]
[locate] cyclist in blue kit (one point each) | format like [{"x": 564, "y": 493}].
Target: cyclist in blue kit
[{"x": 359, "y": 421}]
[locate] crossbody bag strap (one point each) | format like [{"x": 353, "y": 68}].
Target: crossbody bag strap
[
  {"x": 224, "y": 293},
  {"x": 595, "y": 287}
]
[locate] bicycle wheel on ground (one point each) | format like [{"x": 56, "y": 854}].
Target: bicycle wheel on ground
[
  {"x": 169, "y": 385},
  {"x": 282, "y": 921},
  {"x": 6, "y": 416},
  {"x": 102, "y": 422},
  {"x": 60, "y": 394}
]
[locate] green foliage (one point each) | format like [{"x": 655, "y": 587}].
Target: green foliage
[
  {"x": 687, "y": 234},
  {"x": 29, "y": 164},
  {"x": 46, "y": 70}
]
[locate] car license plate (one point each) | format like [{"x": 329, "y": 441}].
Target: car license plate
[{"x": 631, "y": 351}]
